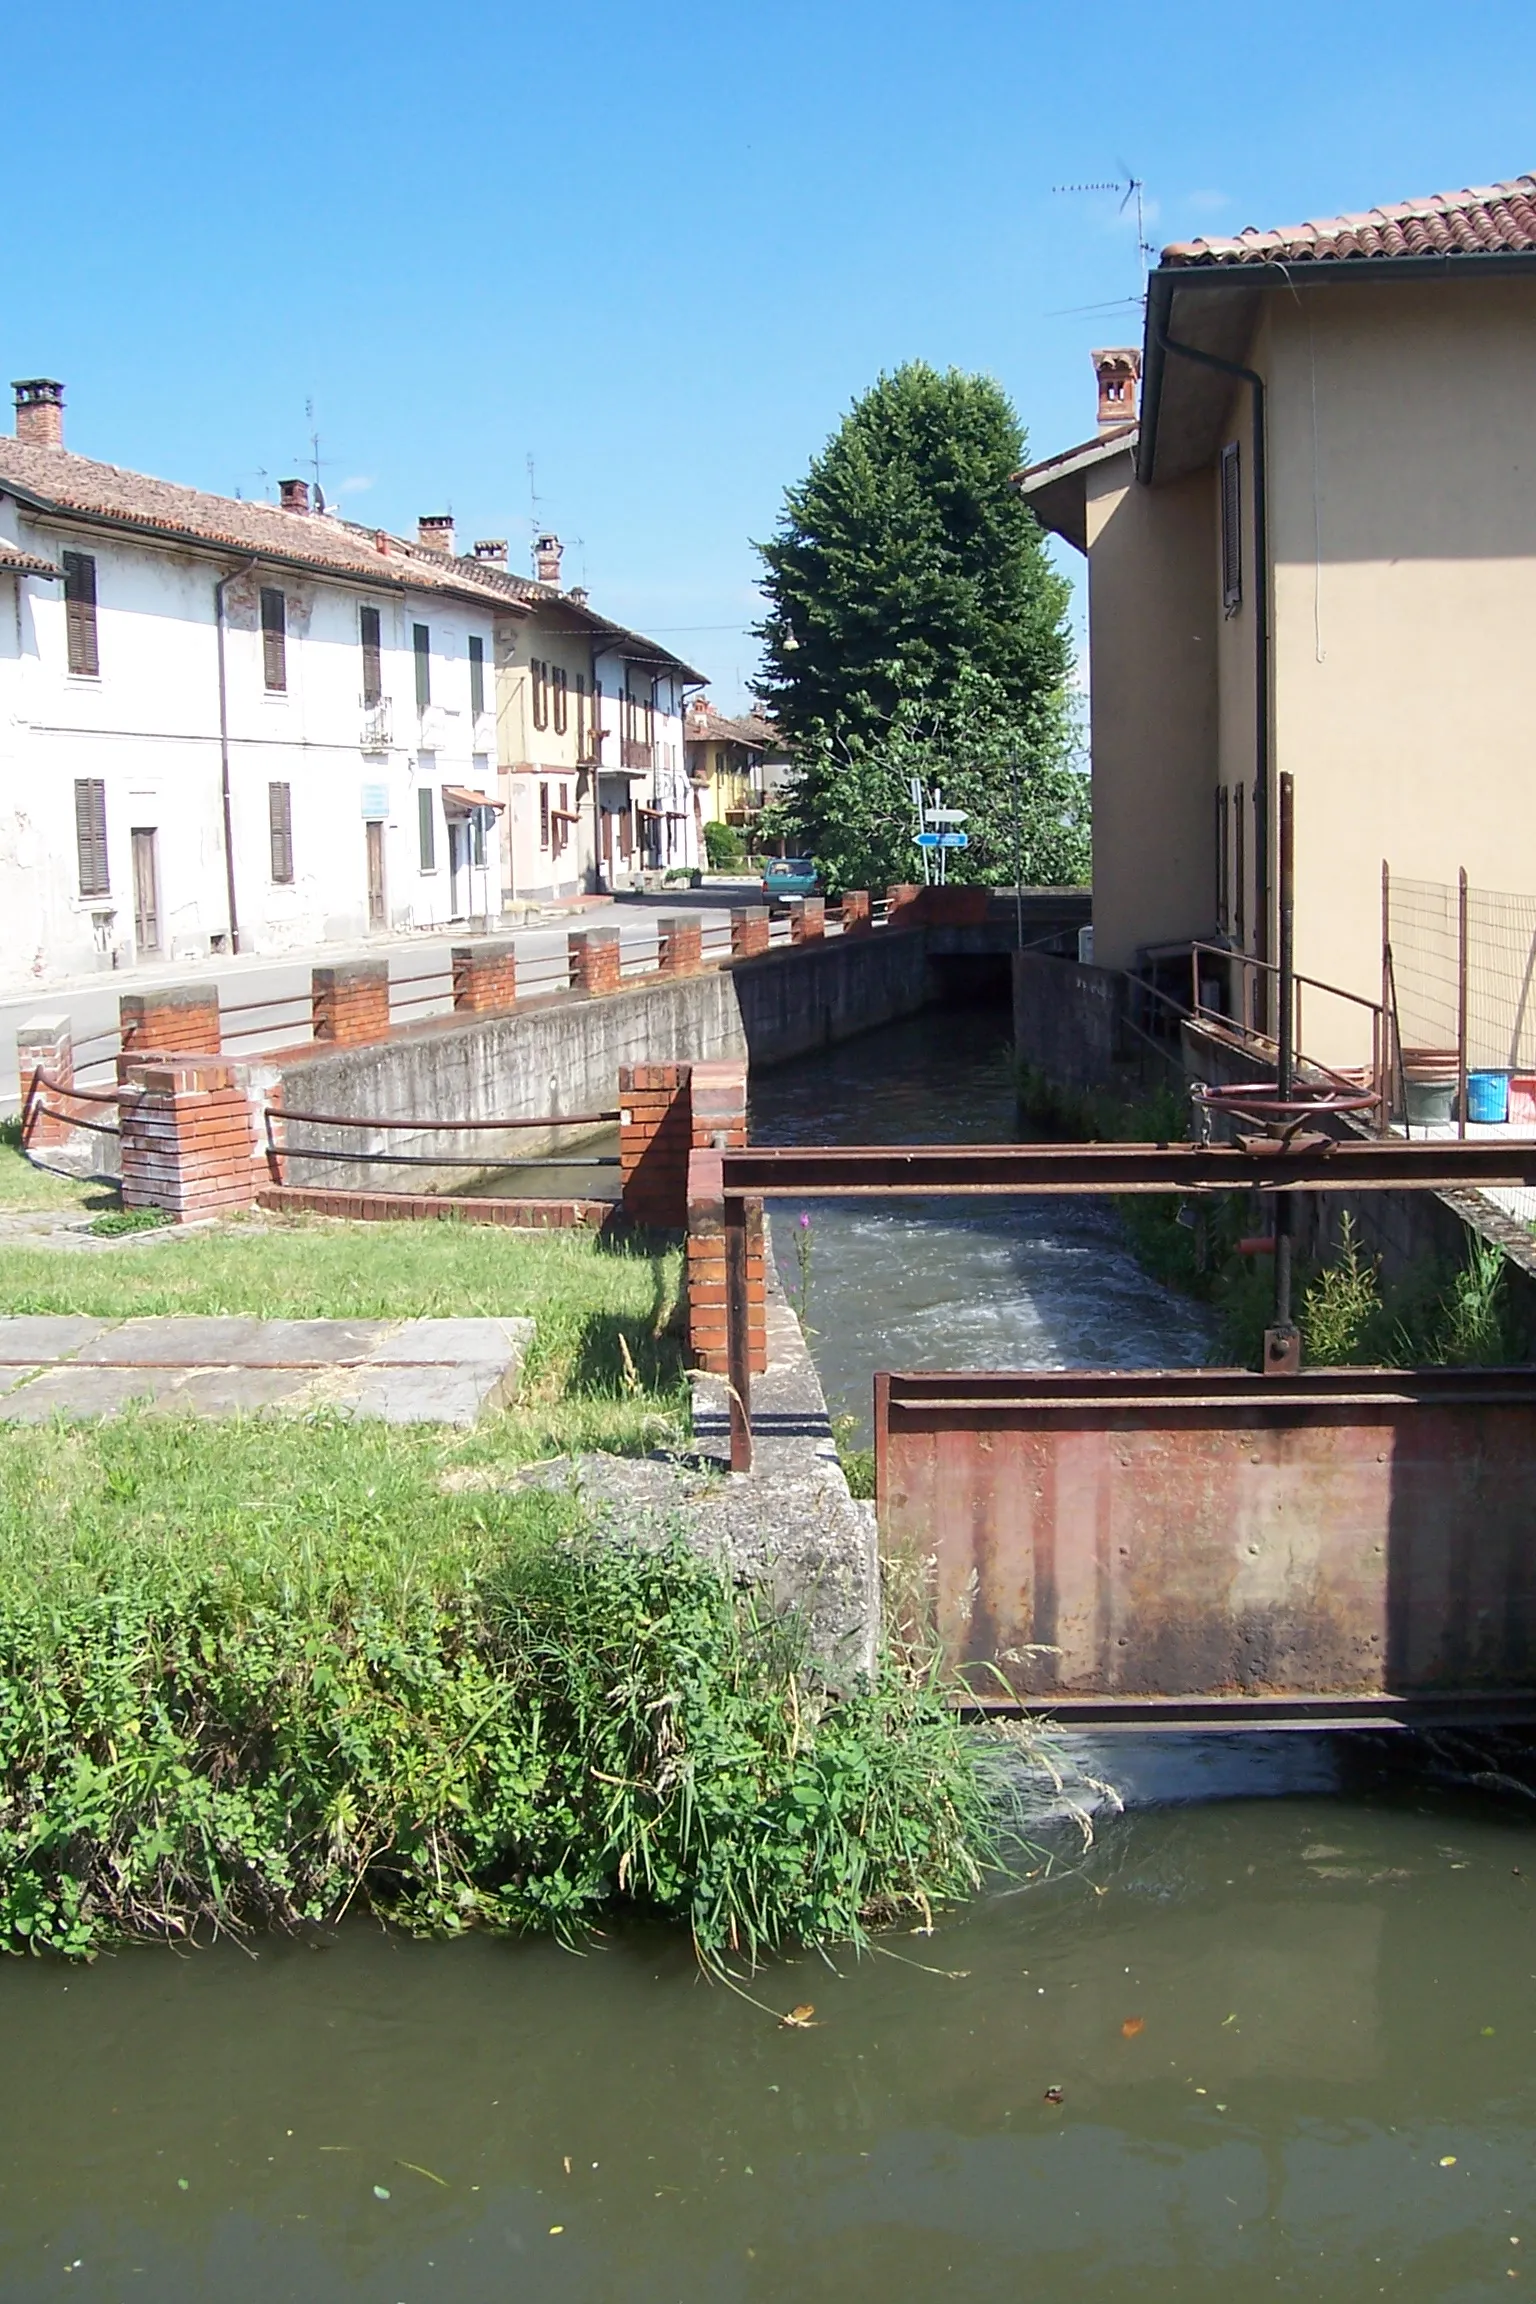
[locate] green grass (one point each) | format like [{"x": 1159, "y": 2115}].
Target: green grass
[
  {"x": 251, "y": 1672},
  {"x": 25, "y": 1189}
]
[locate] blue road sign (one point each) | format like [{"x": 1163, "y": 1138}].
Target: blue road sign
[
  {"x": 930, "y": 840},
  {"x": 953, "y": 840}
]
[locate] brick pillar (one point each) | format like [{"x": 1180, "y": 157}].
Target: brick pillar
[
  {"x": 749, "y": 931},
  {"x": 350, "y": 1005},
  {"x": 807, "y": 919},
  {"x": 682, "y": 946},
  {"x": 956, "y": 907},
  {"x": 704, "y": 1278},
  {"x": 718, "y": 1095},
  {"x": 484, "y": 977},
  {"x": 187, "y": 1140},
  {"x": 856, "y": 914},
  {"x": 594, "y": 959},
  {"x": 180, "y": 1020},
  {"x": 655, "y": 1137},
  {"x": 44, "y": 1044},
  {"x": 906, "y": 903}
]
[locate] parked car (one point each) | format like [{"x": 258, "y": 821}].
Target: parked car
[{"x": 787, "y": 876}]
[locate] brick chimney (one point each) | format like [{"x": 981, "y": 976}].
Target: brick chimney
[
  {"x": 39, "y": 412},
  {"x": 1118, "y": 373},
  {"x": 546, "y": 559},
  {"x": 492, "y": 549},
  {"x": 435, "y": 531},
  {"x": 293, "y": 495}
]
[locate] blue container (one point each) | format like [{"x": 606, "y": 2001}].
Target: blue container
[{"x": 1488, "y": 1096}]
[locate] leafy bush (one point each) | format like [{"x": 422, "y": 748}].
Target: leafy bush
[{"x": 724, "y": 847}]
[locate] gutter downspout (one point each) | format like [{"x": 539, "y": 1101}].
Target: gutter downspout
[
  {"x": 224, "y": 795},
  {"x": 1263, "y": 798}
]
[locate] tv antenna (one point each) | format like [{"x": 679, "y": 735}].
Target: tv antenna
[
  {"x": 313, "y": 458},
  {"x": 1131, "y": 188}
]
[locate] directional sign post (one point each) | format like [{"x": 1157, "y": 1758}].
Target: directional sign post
[{"x": 951, "y": 840}]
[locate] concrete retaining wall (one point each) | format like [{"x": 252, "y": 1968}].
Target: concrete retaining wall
[{"x": 1066, "y": 1019}]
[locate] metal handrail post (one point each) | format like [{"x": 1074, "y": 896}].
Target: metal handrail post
[{"x": 738, "y": 1333}]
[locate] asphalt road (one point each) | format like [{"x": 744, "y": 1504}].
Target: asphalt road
[{"x": 90, "y": 1002}]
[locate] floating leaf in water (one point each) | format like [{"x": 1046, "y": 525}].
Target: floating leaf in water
[
  {"x": 1131, "y": 2026},
  {"x": 1054, "y": 2095},
  {"x": 417, "y": 2170},
  {"x": 567, "y": 2163},
  {"x": 182, "y": 2185},
  {"x": 1226, "y": 2020},
  {"x": 1449, "y": 2161},
  {"x": 1487, "y": 2031},
  {"x": 554, "y": 2228},
  {"x": 799, "y": 2019},
  {"x": 381, "y": 2191}
]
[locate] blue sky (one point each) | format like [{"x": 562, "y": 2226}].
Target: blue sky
[{"x": 658, "y": 249}]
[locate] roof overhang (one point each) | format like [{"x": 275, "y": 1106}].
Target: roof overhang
[
  {"x": 1057, "y": 490},
  {"x": 1214, "y": 308}
]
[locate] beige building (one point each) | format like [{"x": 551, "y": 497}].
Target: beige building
[
  {"x": 1315, "y": 551},
  {"x": 725, "y": 764}
]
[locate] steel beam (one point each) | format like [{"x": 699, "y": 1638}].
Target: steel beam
[{"x": 1390, "y": 1164}]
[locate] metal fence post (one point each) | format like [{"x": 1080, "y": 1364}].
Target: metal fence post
[
  {"x": 738, "y": 1333},
  {"x": 1461, "y": 1002}
]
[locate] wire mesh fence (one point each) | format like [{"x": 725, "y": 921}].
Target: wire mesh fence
[{"x": 1465, "y": 965}]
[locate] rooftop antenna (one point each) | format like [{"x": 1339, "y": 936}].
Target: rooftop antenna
[
  {"x": 314, "y": 453},
  {"x": 534, "y": 501},
  {"x": 1131, "y": 187}
]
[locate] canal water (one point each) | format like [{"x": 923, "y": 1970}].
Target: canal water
[{"x": 1273, "y": 2032}]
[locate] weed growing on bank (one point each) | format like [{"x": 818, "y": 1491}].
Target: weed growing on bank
[{"x": 252, "y": 1674}]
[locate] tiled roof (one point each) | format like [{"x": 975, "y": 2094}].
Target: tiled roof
[
  {"x": 57, "y": 480},
  {"x": 712, "y": 727},
  {"x": 583, "y": 617},
  {"x": 14, "y": 561},
  {"x": 1498, "y": 219}
]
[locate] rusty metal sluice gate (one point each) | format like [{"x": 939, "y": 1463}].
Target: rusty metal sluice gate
[{"x": 1200, "y": 1547}]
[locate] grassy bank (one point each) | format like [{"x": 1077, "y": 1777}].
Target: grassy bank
[
  {"x": 252, "y": 1673},
  {"x": 26, "y": 1190}
]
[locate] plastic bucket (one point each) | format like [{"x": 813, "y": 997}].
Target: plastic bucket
[
  {"x": 1488, "y": 1097},
  {"x": 1429, "y": 1101}
]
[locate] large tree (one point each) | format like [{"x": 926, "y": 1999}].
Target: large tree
[{"x": 905, "y": 558}]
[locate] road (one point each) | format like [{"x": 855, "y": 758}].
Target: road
[{"x": 90, "y": 1002}]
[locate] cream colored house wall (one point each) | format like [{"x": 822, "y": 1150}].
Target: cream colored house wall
[
  {"x": 1153, "y": 612},
  {"x": 530, "y": 756},
  {"x": 1403, "y": 535}
]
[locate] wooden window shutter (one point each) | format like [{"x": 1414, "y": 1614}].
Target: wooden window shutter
[
  {"x": 562, "y": 693},
  {"x": 543, "y": 815},
  {"x": 274, "y": 639},
  {"x": 370, "y": 633},
  {"x": 91, "y": 836},
  {"x": 80, "y": 613},
  {"x": 476, "y": 674},
  {"x": 421, "y": 642},
  {"x": 426, "y": 826},
  {"x": 1231, "y": 527},
  {"x": 280, "y": 831}
]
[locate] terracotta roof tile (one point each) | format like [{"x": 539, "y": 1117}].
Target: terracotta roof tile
[
  {"x": 58, "y": 480},
  {"x": 15, "y": 561},
  {"x": 712, "y": 727},
  {"x": 1497, "y": 219}
]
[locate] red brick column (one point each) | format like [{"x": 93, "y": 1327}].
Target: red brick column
[
  {"x": 856, "y": 912},
  {"x": 749, "y": 931},
  {"x": 187, "y": 1139},
  {"x": 906, "y": 903},
  {"x": 350, "y": 1005},
  {"x": 717, "y": 1093},
  {"x": 958, "y": 907},
  {"x": 705, "y": 1274},
  {"x": 594, "y": 959},
  {"x": 682, "y": 946},
  {"x": 484, "y": 977},
  {"x": 807, "y": 919},
  {"x": 44, "y": 1045},
  {"x": 179, "y": 1020},
  {"x": 655, "y": 1136}
]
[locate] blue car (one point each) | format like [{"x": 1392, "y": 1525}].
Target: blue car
[{"x": 787, "y": 876}]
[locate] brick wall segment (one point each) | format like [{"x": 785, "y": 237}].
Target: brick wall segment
[
  {"x": 807, "y": 919},
  {"x": 749, "y": 931},
  {"x": 856, "y": 913},
  {"x": 349, "y": 1004},
  {"x": 681, "y": 945},
  {"x": 188, "y": 1138},
  {"x": 45, "y": 1046},
  {"x": 594, "y": 959},
  {"x": 180, "y": 1017},
  {"x": 655, "y": 1136},
  {"x": 484, "y": 977},
  {"x": 705, "y": 1273},
  {"x": 905, "y": 901}
]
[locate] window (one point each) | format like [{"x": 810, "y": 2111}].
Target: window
[
  {"x": 477, "y": 818},
  {"x": 274, "y": 640},
  {"x": 91, "y": 836},
  {"x": 583, "y": 750},
  {"x": 476, "y": 674},
  {"x": 421, "y": 642},
  {"x": 538, "y": 673},
  {"x": 426, "y": 821},
  {"x": 80, "y": 614},
  {"x": 1231, "y": 528},
  {"x": 280, "y": 831},
  {"x": 1223, "y": 860},
  {"x": 373, "y": 657},
  {"x": 562, "y": 686},
  {"x": 543, "y": 815}
]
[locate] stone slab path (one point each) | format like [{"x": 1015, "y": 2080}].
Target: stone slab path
[{"x": 399, "y": 1371}]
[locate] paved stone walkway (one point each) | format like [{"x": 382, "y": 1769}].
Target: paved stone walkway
[{"x": 402, "y": 1372}]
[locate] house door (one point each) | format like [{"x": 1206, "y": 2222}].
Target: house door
[
  {"x": 458, "y": 865},
  {"x": 146, "y": 891},
  {"x": 375, "y": 875}
]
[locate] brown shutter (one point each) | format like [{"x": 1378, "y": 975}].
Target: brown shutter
[
  {"x": 476, "y": 674},
  {"x": 373, "y": 664},
  {"x": 1231, "y": 527},
  {"x": 80, "y": 613},
  {"x": 280, "y": 830},
  {"x": 421, "y": 643},
  {"x": 274, "y": 639},
  {"x": 91, "y": 836}
]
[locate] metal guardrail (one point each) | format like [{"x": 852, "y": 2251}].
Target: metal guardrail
[{"x": 278, "y": 1152}]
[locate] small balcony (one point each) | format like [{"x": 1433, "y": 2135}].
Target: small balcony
[
  {"x": 637, "y": 759},
  {"x": 378, "y": 732}
]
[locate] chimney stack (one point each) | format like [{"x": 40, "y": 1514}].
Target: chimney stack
[
  {"x": 293, "y": 495},
  {"x": 1118, "y": 373},
  {"x": 579, "y": 594},
  {"x": 39, "y": 412},
  {"x": 493, "y": 550},
  {"x": 435, "y": 531},
  {"x": 546, "y": 559}
]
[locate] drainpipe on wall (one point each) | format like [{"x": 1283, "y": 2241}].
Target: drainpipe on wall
[
  {"x": 1263, "y": 799},
  {"x": 229, "y": 826}
]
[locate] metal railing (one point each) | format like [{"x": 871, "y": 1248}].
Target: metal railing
[
  {"x": 1253, "y": 970},
  {"x": 279, "y": 1150}
]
